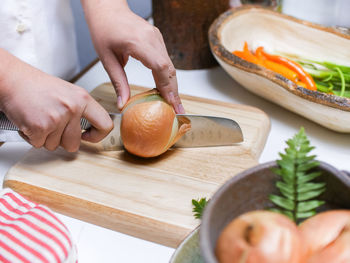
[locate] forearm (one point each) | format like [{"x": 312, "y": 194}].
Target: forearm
[
  {"x": 117, "y": 34},
  {"x": 104, "y": 7},
  {"x": 7, "y": 66}
]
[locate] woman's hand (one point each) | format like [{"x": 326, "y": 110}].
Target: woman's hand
[
  {"x": 118, "y": 33},
  {"x": 46, "y": 109}
]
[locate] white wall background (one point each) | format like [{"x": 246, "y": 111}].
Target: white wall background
[{"x": 85, "y": 48}]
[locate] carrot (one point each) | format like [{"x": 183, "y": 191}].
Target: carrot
[
  {"x": 284, "y": 71},
  {"x": 246, "y": 56},
  {"x": 301, "y": 84},
  {"x": 258, "y": 53},
  {"x": 302, "y": 74},
  {"x": 260, "y": 59}
]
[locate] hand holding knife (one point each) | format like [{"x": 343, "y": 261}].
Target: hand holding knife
[{"x": 206, "y": 131}]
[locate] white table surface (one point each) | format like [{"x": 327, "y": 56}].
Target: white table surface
[{"x": 97, "y": 244}]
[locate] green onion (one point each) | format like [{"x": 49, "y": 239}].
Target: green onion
[
  {"x": 347, "y": 85},
  {"x": 342, "y": 82},
  {"x": 322, "y": 88},
  {"x": 331, "y": 86},
  {"x": 330, "y": 65},
  {"x": 320, "y": 74},
  {"x": 346, "y": 93},
  {"x": 328, "y": 78}
]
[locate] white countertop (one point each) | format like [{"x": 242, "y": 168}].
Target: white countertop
[{"x": 97, "y": 244}]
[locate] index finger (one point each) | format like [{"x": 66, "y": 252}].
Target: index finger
[
  {"x": 163, "y": 72},
  {"x": 166, "y": 82},
  {"x": 101, "y": 123}
]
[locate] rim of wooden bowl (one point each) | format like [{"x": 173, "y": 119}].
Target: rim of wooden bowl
[{"x": 225, "y": 55}]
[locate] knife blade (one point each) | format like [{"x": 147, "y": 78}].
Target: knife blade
[
  {"x": 205, "y": 131},
  {"x": 210, "y": 131}
]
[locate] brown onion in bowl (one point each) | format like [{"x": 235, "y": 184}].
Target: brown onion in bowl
[
  {"x": 260, "y": 236},
  {"x": 327, "y": 237}
]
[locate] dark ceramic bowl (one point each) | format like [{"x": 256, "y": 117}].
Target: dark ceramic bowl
[{"x": 249, "y": 191}]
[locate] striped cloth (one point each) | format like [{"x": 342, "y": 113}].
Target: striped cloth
[{"x": 30, "y": 232}]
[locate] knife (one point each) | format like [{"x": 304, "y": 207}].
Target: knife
[{"x": 205, "y": 131}]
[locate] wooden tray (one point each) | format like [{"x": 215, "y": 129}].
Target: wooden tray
[{"x": 146, "y": 198}]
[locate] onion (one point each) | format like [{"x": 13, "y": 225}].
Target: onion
[
  {"x": 259, "y": 237},
  {"x": 327, "y": 237},
  {"x": 149, "y": 125}
]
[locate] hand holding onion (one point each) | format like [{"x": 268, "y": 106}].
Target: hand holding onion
[{"x": 149, "y": 125}]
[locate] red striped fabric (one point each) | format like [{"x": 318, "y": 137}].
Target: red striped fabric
[
  {"x": 18, "y": 241},
  {"x": 44, "y": 220},
  {"x": 30, "y": 232}
]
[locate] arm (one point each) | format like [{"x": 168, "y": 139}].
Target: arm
[
  {"x": 118, "y": 33},
  {"x": 47, "y": 109}
]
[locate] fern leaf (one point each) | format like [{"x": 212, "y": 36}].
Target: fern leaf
[
  {"x": 291, "y": 153},
  {"x": 282, "y": 202},
  {"x": 305, "y": 148},
  {"x": 305, "y": 159},
  {"x": 311, "y": 194},
  {"x": 287, "y": 195},
  {"x": 300, "y": 174},
  {"x": 285, "y": 187},
  {"x": 198, "y": 207},
  {"x": 307, "y": 166},
  {"x": 287, "y": 166},
  {"x": 291, "y": 144},
  {"x": 303, "y": 215},
  {"x": 309, "y": 187},
  {"x": 285, "y": 190},
  {"x": 287, "y": 176},
  {"x": 307, "y": 177},
  {"x": 296, "y": 185},
  {"x": 308, "y": 205}
]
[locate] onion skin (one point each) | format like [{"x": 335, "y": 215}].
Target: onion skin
[
  {"x": 147, "y": 126},
  {"x": 260, "y": 237},
  {"x": 327, "y": 237}
]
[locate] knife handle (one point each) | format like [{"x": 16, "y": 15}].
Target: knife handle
[{"x": 6, "y": 124}]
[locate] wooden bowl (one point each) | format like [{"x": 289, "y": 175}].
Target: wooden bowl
[
  {"x": 282, "y": 33},
  {"x": 249, "y": 191}
]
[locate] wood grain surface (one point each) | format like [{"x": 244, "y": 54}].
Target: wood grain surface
[{"x": 146, "y": 198}]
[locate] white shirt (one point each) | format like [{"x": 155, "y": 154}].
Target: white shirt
[{"x": 41, "y": 33}]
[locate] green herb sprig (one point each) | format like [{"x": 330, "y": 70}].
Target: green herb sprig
[
  {"x": 198, "y": 207},
  {"x": 296, "y": 185}
]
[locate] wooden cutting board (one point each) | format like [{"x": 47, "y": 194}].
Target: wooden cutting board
[{"x": 146, "y": 198}]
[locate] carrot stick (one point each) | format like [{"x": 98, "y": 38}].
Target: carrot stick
[
  {"x": 246, "y": 56},
  {"x": 261, "y": 60},
  {"x": 284, "y": 71},
  {"x": 302, "y": 74},
  {"x": 302, "y": 84}
]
